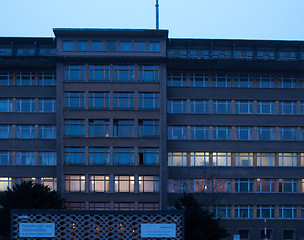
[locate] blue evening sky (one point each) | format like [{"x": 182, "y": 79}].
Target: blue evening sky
[{"x": 240, "y": 19}]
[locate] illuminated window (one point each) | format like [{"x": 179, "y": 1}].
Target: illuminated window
[
  {"x": 124, "y": 184},
  {"x": 265, "y": 159},
  {"x": 287, "y": 159},
  {"x": 5, "y": 182},
  {"x": 221, "y": 185},
  {"x": 265, "y": 185},
  {"x": 222, "y": 159},
  {"x": 148, "y": 183},
  {"x": 74, "y": 183},
  {"x": 243, "y": 159},
  {"x": 99, "y": 183},
  {"x": 176, "y": 159},
  {"x": 199, "y": 159},
  {"x": 49, "y": 182}
]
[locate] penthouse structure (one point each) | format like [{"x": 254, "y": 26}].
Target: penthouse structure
[{"x": 131, "y": 119}]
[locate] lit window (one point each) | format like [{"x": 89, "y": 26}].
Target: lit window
[
  {"x": 288, "y": 212},
  {"x": 148, "y": 156},
  {"x": 199, "y": 106},
  {"x": 221, "y": 107},
  {"x": 244, "y": 133},
  {"x": 243, "y": 107},
  {"x": 288, "y": 185},
  {"x": 99, "y": 73},
  {"x": 47, "y": 158},
  {"x": 49, "y": 182},
  {"x": 177, "y": 185},
  {"x": 123, "y": 73},
  {"x": 243, "y": 159},
  {"x": 123, "y": 128},
  {"x": 99, "y": 206},
  {"x": 176, "y": 159},
  {"x": 99, "y": 100},
  {"x": 243, "y": 185},
  {"x": 177, "y": 106},
  {"x": 47, "y": 131},
  {"x": 198, "y": 185},
  {"x": 74, "y": 183},
  {"x": 148, "y": 100},
  {"x": 265, "y": 159},
  {"x": 75, "y": 205},
  {"x": 199, "y": 80},
  {"x": 124, "y": 156},
  {"x": 74, "y": 128},
  {"x": 148, "y": 128},
  {"x": 221, "y": 80},
  {"x": 243, "y": 211},
  {"x": 265, "y": 81},
  {"x": 98, "y": 156},
  {"x": 5, "y": 182},
  {"x": 199, "y": 133},
  {"x": 47, "y": 79},
  {"x": 5, "y": 158},
  {"x": 148, "y": 74},
  {"x": 266, "y": 133},
  {"x": 123, "y": 100},
  {"x": 124, "y": 206},
  {"x": 199, "y": 159},
  {"x": 25, "y": 105},
  {"x": 25, "y": 158},
  {"x": 148, "y": 183},
  {"x": 221, "y": 185},
  {"x": 177, "y": 132},
  {"x": 99, "y": 183},
  {"x": 222, "y": 159},
  {"x": 74, "y": 73},
  {"x": 265, "y": 185},
  {"x": 124, "y": 184},
  {"x": 243, "y": 81},
  {"x": 99, "y": 128},
  {"x": 287, "y": 159},
  {"x": 221, "y": 133},
  {"x": 73, "y": 155},
  {"x": 176, "y": 80}
]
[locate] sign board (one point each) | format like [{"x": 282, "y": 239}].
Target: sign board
[
  {"x": 236, "y": 237},
  {"x": 37, "y": 230},
  {"x": 158, "y": 230}
]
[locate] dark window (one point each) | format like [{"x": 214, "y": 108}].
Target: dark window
[
  {"x": 68, "y": 45},
  {"x": 74, "y": 100},
  {"x": 99, "y": 73},
  {"x": 140, "y": 46},
  {"x": 125, "y": 46},
  {"x": 123, "y": 73},
  {"x": 74, "y": 73},
  {"x": 154, "y": 46},
  {"x": 74, "y": 128},
  {"x": 148, "y": 128},
  {"x": 148, "y": 101},
  {"x": 96, "y": 46},
  {"x": 98, "y": 128},
  {"x": 82, "y": 45},
  {"x": 111, "y": 46},
  {"x": 148, "y": 74},
  {"x": 123, "y": 100},
  {"x": 99, "y": 100},
  {"x": 124, "y": 128}
]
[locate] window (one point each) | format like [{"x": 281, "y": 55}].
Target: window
[
  {"x": 265, "y": 55},
  {"x": 99, "y": 183},
  {"x": 148, "y": 183},
  {"x": 287, "y": 81},
  {"x": 82, "y": 46},
  {"x": 289, "y": 235},
  {"x": 288, "y": 185},
  {"x": 47, "y": 79},
  {"x": 148, "y": 206},
  {"x": 25, "y": 131},
  {"x": 5, "y": 182},
  {"x": 148, "y": 74},
  {"x": 288, "y": 212},
  {"x": 221, "y": 107},
  {"x": 266, "y": 133},
  {"x": 74, "y": 128},
  {"x": 221, "y": 185},
  {"x": 25, "y": 51},
  {"x": 47, "y": 51},
  {"x": 140, "y": 46},
  {"x": 199, "y": 159},
  {"x": 148, "y": 156},
  {"x": 25, "y": 105},
  {"x": 73, "y": 155},
  {"x": 123, "y": 128},
  {"x": 49, "y": 182},
  {"x": 25, "y": 158},
  {"x": 199, "y": 80},
  {"x": 68, "y": 46},
  {"x": 74, "y": 100},
  {"x": 288, "y": 107},
  {"x": 244, "y": 234},
  {"x": 98, "y": 156},
  {"x": 221, "y": 159},
  {"x": 286, "y": 55},
  {"x": 124, "y": 156},
  {"x": 243, "y": 159},
  {"x": 177, "y": 132},
  {"x": 154, "y": 46},
  {"x": 123, "y": 73},
  {"x": 176, "y": 159},
  {"x": 266, "y": 107},
  {"x": 123, "y": 100},
  {"x": 199, "y": 133},
  {"x": 177, "y": 185},
  {"x": 243, "y": 107},
  {"x": 99, "y": 73},
  {"x": 99, "y": 128},
  {"x": 176, "y": 80},
  {"x": 221, "y": 53},
  {"x": 265, "y": 159},
  {"x": 177, "y": 106},
  {"x": 123, "y": 206},
  {"x": 148, "y": 128},
  {"x": 5, "y": 77},
  {"x": 265, "y": 211},
  {"x": 265, "y": 185},
  {"x": 221, "y": 133},
  {"x": 111, "y": 46},
  {"x": 124, "y": 184},
  {"x": 243, "y": 81},
  {"x": 148, "y": 101},
  {"x": 243, "y": 185},
  {"x": 265, "y": 81},
  {"x": 6, "y": 105},
  {"x": 47, "y": 158},
  {"x": 244, "y": 133},
  {"x": 99, "y": 100},
  {"x": 199, "y": 106},
  {"x": 222, "y": 211},
  {"x": 98, "y": 206},
  {"x": 74, "y": 183},
  {"x": 199, "y": 53},
  {"x": 74, "y": 73},
  {"x": 47, "y": 105},
  {"x": 75, "y": 205},
  {"x": 243, "y": 54},
  {"x": 243, "y": 211},
  {"x": 221, "y": 80},
  {"x": 5, "y": 158},
  {"x": 287, "y": 159},
  {"x": 96, "y": 46},
  {"x": 6, "y": 131},
  {"x": 5, "y": 52},
  {"x": 47, "y": 131},
  {"x": 287, "y": 133},
  {"x": 198, "y": 185},
  {"x": 125, "y": 46}
]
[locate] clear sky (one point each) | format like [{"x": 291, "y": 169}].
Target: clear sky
[{"x": 240, "y": 19}]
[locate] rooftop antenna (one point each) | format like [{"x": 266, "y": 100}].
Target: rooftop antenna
[{"x": 157, "y": 15}]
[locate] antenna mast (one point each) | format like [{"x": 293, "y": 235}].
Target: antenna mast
[{"x": 157, "y": 15}]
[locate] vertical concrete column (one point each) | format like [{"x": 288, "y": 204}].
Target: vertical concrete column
[
  {"x": 233, "y": 160},
  {"x": 299, "y": 163},
  {"x": 299, "y": 108},
  {"x": 276, "y": 211},
  {"x": 255, "y": 106},
  {"x": 298, "y": 135},
  {"x": 276, "y": 77},
  {"x": 136, "y": 72},
  {"x": 277, "y": 107},
  {"x": 233, "y": 133},
  {"x": 255, "y": 159},
  {"x": 86, "y": 72},
  {"x": 232, "y": 80},
  {"x": 111, "y": 184},
  {"x": 86, "y": 127},
  {"x": 233, "y": 106},
  {"x": 86, "y": 155},
  {"x": 14, "y": 157},
  {"x": 136, "y": 100},
  {"x": 254, "y": 211},
  {"x": 298, "y": 81},
  {"x": 255, "y": 133},
  {"x": 188, "y": 132},
  {"x": 86, "y": 100},
  {"x": 254, "y": 80},
  {"x": 210, "y": 106},
  {"x": 36, "y": 79},
  {"x": 87, "y": 183},
  {"x": 232, "y": 211},
  {"x": 14, "y": 76},
  {"x": 111, "y": 71},
  {"x": 210, "y": 159},
  {"x": 188, "y": 159},
  {"x": 36, "y": 105},
  {"x": 136, "y": 160},
  {"x": 36, "y": 158},
  {"x": 276, "y": 160},
  {"x": 36, "y": 131},
  {"x": 188, "y": 79},
  {"x": 136, "y": 127},
  {"x": 111, "y": 100},
  {"x": 277, "y": 133},
  {"x": 211, "y": 132},
  {"x": 136, "y": 183},
  {"x": 14, "y": 102},
  {"x": 111, "y": 127},
  {"x": 14, "y": 135}
]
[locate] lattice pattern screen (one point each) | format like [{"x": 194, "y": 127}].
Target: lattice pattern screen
[{"x": 93, "y": 226}]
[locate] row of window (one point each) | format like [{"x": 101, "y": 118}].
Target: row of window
[
  {"x": 6, "y": 182},
  {"x": 119, "y": 156},
  {"x": 116, "y": 100},
  {"x": 235, "y": 133},
  {"x": 235, "y": 107},
  {"x": 28, "y": 51},
  {"x": 228, "y": 159},
  {"x": 28, "y": 158},
  {"x": 236, "y": 54},
  {"x": 104, "y": 183},
  {"x": 28, "y": 131},
  {"x": 110, "y": 46},
  {"x": 234, "y": 80},
  {"x": 121, "y": 128},
  {"x": 27, "y": 79},
  {"x": 239, "y": 185},
  {"x": 111, "y": 73},
  {"x": 46, "y": 105}
]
